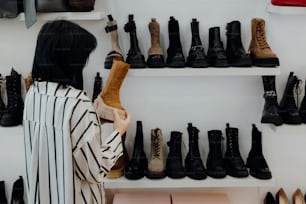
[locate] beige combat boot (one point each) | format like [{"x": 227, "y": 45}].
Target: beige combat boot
[
  {"x": 109, "y": 98},
  {"x": 156, "y": 167},
  {"x": 261, "y": 53}
]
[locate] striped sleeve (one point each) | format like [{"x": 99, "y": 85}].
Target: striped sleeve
[{"x": 111, "y": 149}]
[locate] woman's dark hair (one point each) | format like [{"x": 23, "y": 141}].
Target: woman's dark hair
[{"x": 62, "y": 50}]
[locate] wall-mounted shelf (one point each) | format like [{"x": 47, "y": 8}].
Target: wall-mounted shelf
[
  {"x": 76, "y": 16},
  {"x": 285, "y": 10},
  {"x": 145, "y": 183},
  {"x": 231, "y": 71}
]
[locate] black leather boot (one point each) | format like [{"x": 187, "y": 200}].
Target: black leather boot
[
  {"x": 236, "y": 54},
  {"x": 216, "y": 54},
  {"x": 233, "y": 161},
  {"x": 14, "y": 112},
  {"x": 196, "y": 57},
  {"x": 174, "y": 165},
  {"x": 138, "y": 164},
  {"x": 175, "y": 56},
  {"x": 302, "y": 110},
  {"x": 134, "y": 57},
  {"x": 97, "y": 86},
  {"x": 256, "y": 161},
  {"x": 288, "y": 107},
  {"x": 2, "y": 105},
  {"x": 269, "y": 199},
  {"x": 3, "y": 199},
  {"x": 17, "y": 193},
  {"x": 215, "y": 162},
  {"x": 194, "y": 166},
  {"x": 270, "y": 113}
]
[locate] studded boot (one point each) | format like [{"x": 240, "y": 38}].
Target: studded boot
[
  {"x": 14, "y": 111},
  {"x": 288, "y": 106},
  {"x": 134, "y": 56},
  {"x": 270, "y": 113},
  {"x": 156, "y": 167},
  {"x": 215, "y": 162},
  {"x": 116, "y": 51},
  {"x": 3, "y": 199},
  {"x": 155, "y": 52},
  {"x": 175, "y": 56},
  {"x": 196, "y": 57},
  {"x": 256, "y": 160},
  {"x": 236, "y": 54},
  {"x": 261, "y": 53},
  {"x": 174, "y": 162},
  {"x": 233, "y": 161},
  {"x": 194, "y": 166}
]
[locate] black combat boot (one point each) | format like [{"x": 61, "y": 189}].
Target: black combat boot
[
  {"x": 194, "y": 166},
  {"x": 134, "y": 57},
  {"x": 302, "y": 110},
  {"x": 116, "y": 51},
  {"x": 270, "y": 113},
  {"x": 196, "y": 57},
  {"x": 256, "y": 161},
  {"x": 138, "y": 164},
  {"x": 233, "y": 161},
  {"x": 3, "y": 199},
  {"x": 17, "y": 193},
  {"x": 14, "y": 112},
  {"x": 174, "y": 163},
  {"x": 215, "y": 162},
  {"x": 97, "y": 86},
  {"x": 236, "y": 54},
  {"x": 2, "y": 105},
  {"x": 175, "y": 56},
  {"x": 216, "y": 54},
  {"x": 288, "y": 107}
]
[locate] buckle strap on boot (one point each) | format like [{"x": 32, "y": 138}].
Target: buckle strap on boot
[{"x": 110, "y": 28}]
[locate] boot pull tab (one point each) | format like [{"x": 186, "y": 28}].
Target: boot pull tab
[
  {"x": 227, "y": 125},
  {"x": 110, "y": 17}
]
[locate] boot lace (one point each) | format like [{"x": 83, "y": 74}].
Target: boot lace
[{"x": 261, "y": 37}]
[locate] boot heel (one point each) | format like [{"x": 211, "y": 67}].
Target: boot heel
[{"x": 106, "y": 112}]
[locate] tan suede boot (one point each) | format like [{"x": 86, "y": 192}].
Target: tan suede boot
[
  {"x": 261, "y": 53},
  {"x": 109, "y": 97},
  {"x": 116, "y": 51},
  {"x": 156, "y": 167},
  {"x": 155, "y": 52}
]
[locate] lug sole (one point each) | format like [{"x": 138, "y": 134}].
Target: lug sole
[
  {"x": 263, "y": 176},
  {"x": 156, "y": 175},
  {"x": 272, "y": 120},
  {"x": 265, "y": 62}
]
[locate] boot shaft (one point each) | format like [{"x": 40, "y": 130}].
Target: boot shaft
[
  {"x": 13, "y": 89},
  {"x": 97, "y": 86},
  {"x": 130, "y": 27},
  {"x": 232, "y": 143},
  {"x": 156, "y": 144},
  {"x": 256, "y": 147},
  {"x": 174, "y": 34},
  {"x": 111, "y": 28},
  {"x": 154, "y": 29},
  {"x": 196, "y": 40},
  {"x": 215, "y": 143},
  {"x": 3, "y": 199},
  {"x": 288, "y": 100},
  {"x": 258, "y": 34},
  {"x": 193, "y": 134},
  {"x": 234, "y": 36},
  {"x": 175, "y": 144},
  {"x": 214, "y": 37}
]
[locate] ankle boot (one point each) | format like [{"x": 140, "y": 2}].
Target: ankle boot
[
  {"x": 174, "y": 163},
  {"x": 269, "y": 199},
  {"x": 155, "y": 52},
  {"x": 256, "y": 160},
  {"x": 297, "y": 197},
  {"x": 302, "y": 110},
  {"x": 233, "y": 161},
  {"x": 14, "y": 111},
  {"x": 215, "y": 162},
  {"x": 18, "y": 190},
  {"x": 2, "y": 105},
  {"x": 288, "y": 108},
  {"x": 138, "y": 164},
  {"x": 270, "y": 113},
  {"x": 3, "y": 199},
  {"x": 109, "y": 97},
  {"x": 97, "y": 86},
  {"x": 216, "y": 54},
  {"x": 175, "y": 56},
  {"x": 194, "y": 166},
  {"x": 236, "y": 54},
  {"x": 156, "y": 167},
  {"x": 116, "y": 51},
  {"x": 196, "y": 57},
  {"x": 261, "y": 53},
  {"x": 134, "y": 56},
  {"x": 281, "y": 197}
]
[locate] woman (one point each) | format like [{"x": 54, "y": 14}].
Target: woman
[{"x": 65, "y": 156}]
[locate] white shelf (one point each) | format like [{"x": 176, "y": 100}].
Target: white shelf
[
  {"x": 285, "y": 10},
  {"x": 230, "y": 71},
  {"x": 77, "y": 16},
  {"x": 169, "y": 183}
]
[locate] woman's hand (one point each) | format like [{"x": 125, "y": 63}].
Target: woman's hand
[{"x": 121, "y": 125}]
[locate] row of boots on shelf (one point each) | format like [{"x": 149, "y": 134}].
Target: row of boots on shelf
[
  {"x": 282, "y": 198},
  {"x": 287, "y": 111},
  {"x": 234, "y": 54},
  {"x": 17, "y": 192},
  {"x": 218, "y": 165}
]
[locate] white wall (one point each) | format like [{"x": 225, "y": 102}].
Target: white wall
[{"x": 171, "y": 102}]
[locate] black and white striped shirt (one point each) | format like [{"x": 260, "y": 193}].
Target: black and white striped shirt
[{"x": 65, "y": 157}]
